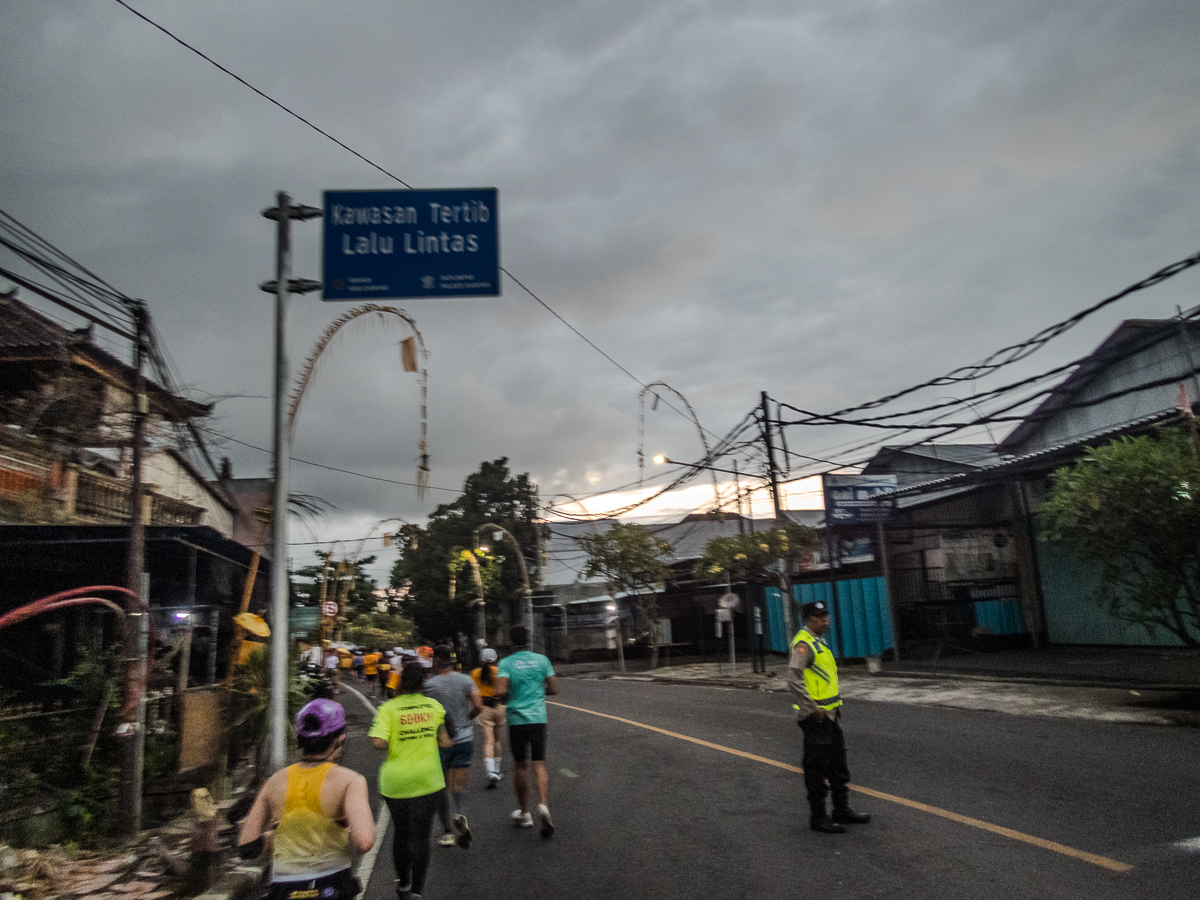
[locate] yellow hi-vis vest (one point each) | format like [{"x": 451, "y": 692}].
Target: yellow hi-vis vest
[{"x": 820, "y": 678}]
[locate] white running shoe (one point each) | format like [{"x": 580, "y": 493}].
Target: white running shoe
[
  {"x": 447, "y": 840},
  {"x": 522, "y": 819},
  {"x": 464, "y": 831},
  {"x": 547, "y": 824}
]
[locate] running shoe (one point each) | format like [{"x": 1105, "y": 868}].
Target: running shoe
[
  {"x": 547, "y": 824},
  {"x": 493, "y": 780},
  {"x": 522, "y": 819},
  {"x": 464, "y": 831},
  {"x": 447, "y": 840}
]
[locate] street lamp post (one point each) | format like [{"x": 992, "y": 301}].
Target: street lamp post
[
  {"x": 526, "y": 592},
  {"x": 479, "y": 603},
  {"x": 614, "y": 616}
]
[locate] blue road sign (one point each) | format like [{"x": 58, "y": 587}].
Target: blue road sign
[
  {"x": 392, "y": 244},
  {"x": 851, "y": 499}
]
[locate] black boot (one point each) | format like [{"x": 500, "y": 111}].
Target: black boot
[
  {"x": 821, "y": 822},
  {"x": 843, "y": 814}
]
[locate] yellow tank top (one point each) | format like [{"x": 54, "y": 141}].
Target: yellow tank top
[
  {"x": 308, "y": 844},
  {"x": 485, "y": 690}
]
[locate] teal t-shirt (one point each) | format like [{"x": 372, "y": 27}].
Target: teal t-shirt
[
  {"x": 526, "y": 673},
  {"x": 413, "y": 767}
]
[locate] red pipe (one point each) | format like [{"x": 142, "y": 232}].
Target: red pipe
[{"x": 72, "y": 598}]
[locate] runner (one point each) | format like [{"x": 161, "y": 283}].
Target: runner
[
  {"x": 393, "y": 678},
  {"x": 371, "y": 669},
  {"x": 331, "y": 670},
  {"x": 316, "y": 814},
  {"x": 384, "y": 668},
  {"x": 411, "y": 728},
  {"x": 460, "y": 698},
  {"x": 491, "y": 720},
  {"x": 524, "y": 680}
]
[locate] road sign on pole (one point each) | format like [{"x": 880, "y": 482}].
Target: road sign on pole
[
  {"x": 404, "y": 244},
  {"x": 851, "y": 499}
]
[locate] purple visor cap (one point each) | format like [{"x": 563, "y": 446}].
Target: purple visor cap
[{"x": 319, "y": 718}]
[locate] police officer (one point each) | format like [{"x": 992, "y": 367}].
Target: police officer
[{"x": 813, "y": 681}]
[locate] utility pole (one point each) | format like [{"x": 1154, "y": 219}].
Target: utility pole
[
  {"x": 282, "y": 287},
  {"x": 131, "y": 732},
  {"x": 785, "y": 577},
  {"x": 831, "y": 548},
  {"x": 737, "y": 488}
]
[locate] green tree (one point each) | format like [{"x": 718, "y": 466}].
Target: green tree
[
  {"x": 1131, "y": 508},
  {"x": 631, "y": 560},
  {"x": 344, "y": 581},
  {"x": 427, "y": 555},
  {"x": 749, "y": 557},
  {"x": 376, "y": 630},
  {"x": 753, "y": 558}
]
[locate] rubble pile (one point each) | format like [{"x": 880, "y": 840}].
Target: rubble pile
[{"x": 155, "y": 866}]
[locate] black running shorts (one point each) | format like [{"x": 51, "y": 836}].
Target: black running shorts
[{"x": 528, "y": 742}]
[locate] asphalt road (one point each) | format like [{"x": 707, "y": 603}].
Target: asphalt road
[{"x": 967, "y": 804}]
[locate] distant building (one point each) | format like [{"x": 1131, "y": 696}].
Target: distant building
[
  {"x": 66, "y": 413},
  {"x": 964, "y": 548}
]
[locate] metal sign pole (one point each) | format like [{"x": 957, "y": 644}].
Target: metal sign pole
[
  {"x": 279, "y": 519},
  {"x": 282, "y": 287}
]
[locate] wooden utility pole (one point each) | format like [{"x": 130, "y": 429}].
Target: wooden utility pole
[
  {"x": 785, "y": 577},
  {"x": 131, "y": 732}
]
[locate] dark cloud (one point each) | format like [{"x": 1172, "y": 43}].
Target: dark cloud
[{"x": 826, "y": 202}]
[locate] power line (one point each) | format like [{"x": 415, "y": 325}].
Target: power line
[
  {"x": 266, "y": 97},
  {"x": 330, "y": 468},
  {"x": 1016, "y": 352},
  {"x": 391, "y": 175}
]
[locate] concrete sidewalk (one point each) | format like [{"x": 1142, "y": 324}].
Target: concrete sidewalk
[
  {"x": 1131, "y": 668},
  {"x": 1133, "y": 685}
]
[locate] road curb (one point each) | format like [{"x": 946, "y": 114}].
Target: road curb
[
  {"x": 1170, "y": 716},
  {"x": 1047, "y": 680},
  {"x": 998, "y": 678}
]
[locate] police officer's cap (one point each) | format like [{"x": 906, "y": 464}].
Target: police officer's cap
[{"x": 815, "y": 609}]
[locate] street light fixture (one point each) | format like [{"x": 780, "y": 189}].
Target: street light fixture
[{"x": 673, "y": 462}]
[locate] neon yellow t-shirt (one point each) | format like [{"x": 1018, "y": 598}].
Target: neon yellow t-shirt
[{"x": 413, "y": 767}]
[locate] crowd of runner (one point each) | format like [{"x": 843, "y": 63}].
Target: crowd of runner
[{"x": 315, "y": 814}]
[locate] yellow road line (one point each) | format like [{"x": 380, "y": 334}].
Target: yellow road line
[{"x": 1094, "y": 859}]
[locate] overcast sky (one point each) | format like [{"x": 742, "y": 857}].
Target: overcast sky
[{"x": 826, "y": 201}]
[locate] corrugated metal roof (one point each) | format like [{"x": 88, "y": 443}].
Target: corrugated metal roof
[
  {"x": 22, "y": 328},
  {"x": 1131, "y": 337},
  {"x": 977, "y": 455},
  {"x": 1030, "y": 461}
]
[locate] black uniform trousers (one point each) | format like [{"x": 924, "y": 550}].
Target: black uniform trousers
[{"x": 825, "y": 760}]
